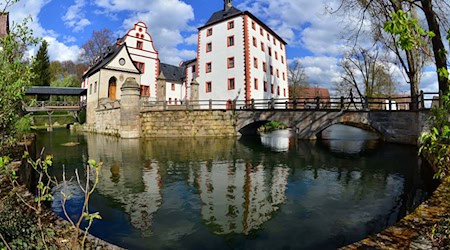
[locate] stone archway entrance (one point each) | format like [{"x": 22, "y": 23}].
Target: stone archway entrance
[{"x": 112, "y": 88}]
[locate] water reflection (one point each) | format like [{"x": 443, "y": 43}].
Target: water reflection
[
  {"x": 277, "y": 140},
  {"x": 239, "y": 197},
  {"x": 223, "y": 193},
  {"x": 349, "y": 140}
]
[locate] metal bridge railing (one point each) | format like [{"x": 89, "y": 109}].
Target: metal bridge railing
[{"x": 423, "y": 101}]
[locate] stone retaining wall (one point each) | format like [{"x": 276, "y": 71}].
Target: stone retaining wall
[
  {"x": 188, "y": 124},
  {"x": 107, "y": 122}
]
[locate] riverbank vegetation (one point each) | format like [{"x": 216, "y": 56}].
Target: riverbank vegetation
[{"x": 26, "y": 222}]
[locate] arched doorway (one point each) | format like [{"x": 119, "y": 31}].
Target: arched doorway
[{"x": 112, "y": 86}]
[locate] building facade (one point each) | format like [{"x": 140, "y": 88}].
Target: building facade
[
  {"x": 145, "y": 57},
  {"x": 104, "y": 79},
  {"x": 239, "y": 58}
]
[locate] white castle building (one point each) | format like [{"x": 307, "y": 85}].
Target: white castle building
[{"x": 239, "y": 58}]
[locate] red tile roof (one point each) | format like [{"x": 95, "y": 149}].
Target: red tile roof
[{"x": 312, "y": 92}]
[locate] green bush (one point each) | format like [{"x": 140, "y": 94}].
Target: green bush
[{"x": 435, "y": 145}]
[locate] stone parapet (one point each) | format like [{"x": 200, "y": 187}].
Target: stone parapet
[{"x": 188, "y": 124}]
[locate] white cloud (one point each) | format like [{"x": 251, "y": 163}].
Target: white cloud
[
  {"x": 166, "y": 20},
  {"x": 191, "y": 40},
  {"x": 75, "y": 18},
  {"x": 321, "y": 71},
  {"x": 31, "y": 8},
  {"x": 429, "y": 82},
  {"x": 60, "y": 52}
]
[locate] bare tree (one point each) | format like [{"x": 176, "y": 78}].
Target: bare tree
[
  {"x": 377, "y": 13},
  {"x": 97, "y": 45},
  {"x": 365, "y": 72},
  {"x": 5, "y": 4},
  {"x": 297, "y": 78}
]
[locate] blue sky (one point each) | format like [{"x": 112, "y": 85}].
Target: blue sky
[{"x": 313, "y": 35}]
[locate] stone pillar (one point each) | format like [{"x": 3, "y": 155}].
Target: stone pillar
[
  {"x": 194, "y": 93},
  {"x": 130, "y": 109},
  {"x": 161, "y": 93}
]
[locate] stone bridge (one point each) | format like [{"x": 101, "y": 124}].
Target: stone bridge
[{"x": 392, "y": 126}]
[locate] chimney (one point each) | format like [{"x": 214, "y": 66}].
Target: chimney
[
  {"x": 4, "y": 24},
  {"x": 227, "y": 5}
]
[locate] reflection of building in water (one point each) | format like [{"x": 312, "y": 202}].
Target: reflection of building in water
[
  {"x": 277, "y": 140},
  {"x": 239, "y": 197},
  {"x": 124, "y": 178}
]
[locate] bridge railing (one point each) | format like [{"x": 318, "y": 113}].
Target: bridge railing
[
  {"x": 33, "y": 105},
  {"x": 421, "y": 102}
]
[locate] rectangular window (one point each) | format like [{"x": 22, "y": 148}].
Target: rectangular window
[
  {"x": 209, "y": 32},
  {"x": 265, "y": 86},
  {"x": 268, "y": 36},
  {"x": 263, "y": 47},
  {"x": 255, "y": 62},
  {"x": 231, "y": 84},
  {"x": 140, "y": 66},
  {"x": 253, "y": 26},
  {"x": 276, "y": 55},
  {"x": 193, "y": 68},
  {"x": 230, "y": 41},
  {"x": 176, "y": 101},
  {"x": 270, "y": 51},
  {"x": 208, "y": 67},
  {"x": 95, "y": 87},
  {"x": 230, "y": 62},
  {"x": 274, "y": 41},
  {"x": 230, "y": 25},
  {"x": 139, "y": 45},
  {"x": 278, "y": 90},
  {"x": 90, "y": 88},
  {"x": 170, "y": 101},
  {"x": 264, "y": 67},
  {"x": 255, "y": 42},
  {"x": 271, "y": 70},
  {"x": 284, "y": 76},
  {"x": 272, "y": 88},
  {"x": 278, "y": 73},
  {"x": 261, "y": 31},
  {"x": 208, "y": 47},
  {"x": 281, "y": 46},
  {"x": 256, "y": 84},
  {"x": 284, "y": 92},
  {"x": 282, "y": 59},
  {"x": 208, "y": 87},
  {"x": 173, "y": 86}
]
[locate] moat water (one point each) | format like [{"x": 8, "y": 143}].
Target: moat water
[{"x": 273, "y": 192}]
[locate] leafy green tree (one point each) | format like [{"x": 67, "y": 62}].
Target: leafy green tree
[
  {"x": 41, "y": 66},
  {"x": 15, "y": 74},
  {"x": 69, "y": 81}
]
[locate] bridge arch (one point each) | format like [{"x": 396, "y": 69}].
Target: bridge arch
[
  {"x": 252, "y": 128},
  {"x": 362, "y": 126}
]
